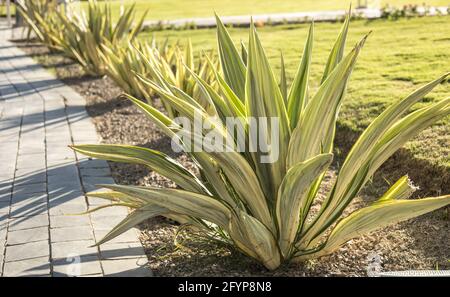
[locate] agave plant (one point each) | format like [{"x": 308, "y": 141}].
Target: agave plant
[
  {"x": 122, "y": 64},
  {"x": 264, "y": 209},
  {"x": 82, "y": 36},
  {"x": 133, "y": 66},
  {"x": 39, "y": 16}
]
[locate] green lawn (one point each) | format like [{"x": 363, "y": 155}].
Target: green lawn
[
  {"x": 398, "y": 57},
  {"x": 173, "y": 9}
]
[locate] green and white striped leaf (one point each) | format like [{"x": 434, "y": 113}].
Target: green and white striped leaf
[
  {"x": 319, "y": 116},
  {"x": 371, "y": 150},
  {"x": 338, "y": 49},
  {"x": 255, "y": 239},
  {"x": 180, "y": 201},
  {"x": 263, "y": 102},
  {"x": 382, "y": 213},
  {"x": 232, "y": 65},
  {"x": 298, "y": 93},
  {"x": 136, "y": 217},
  {"x": 155, "y": 160},
  {"x": 292, "y": 198}
]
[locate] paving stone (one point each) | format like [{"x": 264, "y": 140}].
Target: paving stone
[
  {"x": 85, "y": 162},
  {"x": 91, "y": 183},
  {"x": 57, "y": 140},
  {"x": 129, "y": 236},
  {"x": 5, "y": 197},
  {"x": 76, "y": 233},
  {"x": 27, "y": 235},
  {"x": 73, "y": 265},
  {"x": 67, "y": 208},
  {"x": 121, "y": 251},
  {"x": 34, "y": 139},
  {"x": 10, "y": 140},
  {"x": 59, "y": 128},
  {"x": 31, "y": 188},
  {"x": 101, "y": 219},
  {"x": 84, "y": 136},
  {"x": 121, "y": 211},
  {"x": 18, "y": 199},
  {"x": 60, "y": 161},
  {"x": 106, "y": 222},
  {"x": 31, "y": 178},
  {"x": 97, "y": 180},
  {"x": 69, "y": 170},
  {"x": 5, "y": 186},
  {"x": 2, "y": 250},
  {"x": 35, "y": 127},
  {"x": 2, "y": 234},
  {"x": 4, "y": 221},
  {"x": 30, "y": 209},
  {"x": 35, "y": 161},
  {"x": 94, "y": 201},
  {"x": 27, "y": 251},
  {"x": 4, "y": 207},
  {"x": 40, "y": 220},
  {"x": 83, "y": 127},
  {"x": 127, "y": 268},
  {"x": 90, "y": 187},
  {"x": 69, "y": 178},
  {"x": 8, "y": 172},
  {"x": 14, "y": 138},
  {"x": 60, "y": 148},
  {"x": 95, "y": 172},
  {"x": 65, "y": 196},
  {"x": 74, "y": 110},
  {"x": 69, "y": 221},
  {"x": 29, "y": 120},
  {"x": 27, "y": 150},
  {"x": 64, "y": 188},
  {"x": 30, "y": 170},
  {"x": 66, "y": 155},
  {"x": 65, "y": 249},
  {"x": 30, "y": 267}
]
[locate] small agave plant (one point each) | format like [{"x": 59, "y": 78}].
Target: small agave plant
[
  {"x": 40, "y": 18},
  {"x": 264, "y": 209},
  {"x": 82, "y": 36},
  {"x": 132, "y": 66}
]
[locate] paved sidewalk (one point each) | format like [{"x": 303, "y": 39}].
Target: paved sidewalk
[
  {"x": 286, "y": 18},
  {"x": 42, "y": 180}
]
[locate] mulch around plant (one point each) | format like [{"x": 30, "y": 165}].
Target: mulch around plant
[{"x": 421, "y": 243}]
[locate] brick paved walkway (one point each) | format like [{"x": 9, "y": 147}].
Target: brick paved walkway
[{"x": 42, "y": 180}]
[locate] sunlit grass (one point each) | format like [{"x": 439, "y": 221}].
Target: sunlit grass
[{"x": 173, "y": 9}]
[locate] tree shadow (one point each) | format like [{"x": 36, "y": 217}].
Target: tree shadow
[{"x": 88, "y": 264}]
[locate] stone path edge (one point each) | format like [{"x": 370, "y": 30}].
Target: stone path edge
[{"x": 42, "y": 180}]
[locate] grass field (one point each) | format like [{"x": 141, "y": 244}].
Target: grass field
[
  {"x": 173, "y": 9},
  {"x": 398, "y": 57}
]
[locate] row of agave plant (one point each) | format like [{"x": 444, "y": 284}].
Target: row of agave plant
[
  {"x": 101, "y": 46},
  {"x": 264, "y": 210}
]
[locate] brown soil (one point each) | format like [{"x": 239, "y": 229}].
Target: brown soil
[{"x": 421, "y": 243}]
